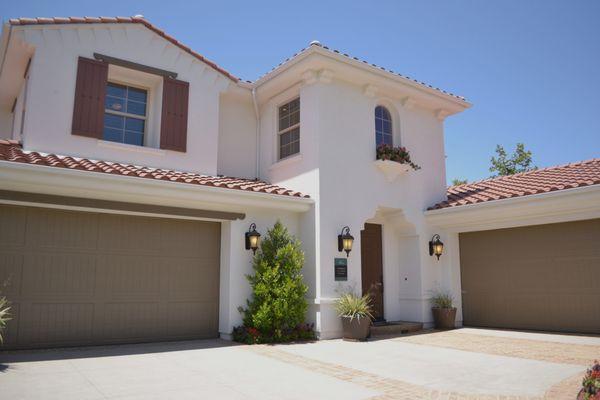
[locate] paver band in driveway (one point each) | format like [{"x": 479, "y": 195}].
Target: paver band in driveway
[
  {"x": 394, "y": 389},
  {"x": 564, "y": 353}
]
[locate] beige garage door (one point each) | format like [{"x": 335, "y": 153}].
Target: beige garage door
[
  {"x": 77, "y": 278},
  {"x": 544, "y": 277}
]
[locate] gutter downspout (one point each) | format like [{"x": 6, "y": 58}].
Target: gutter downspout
[{"x": 257, "y": 114}]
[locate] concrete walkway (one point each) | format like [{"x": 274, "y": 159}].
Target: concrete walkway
[{"x": 465, "y": 363}]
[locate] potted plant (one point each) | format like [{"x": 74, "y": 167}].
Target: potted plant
[
  {"x": 591, "y": 384},
  {"x": 355, "y": 312},
  {"x": 444, "y": 313}
]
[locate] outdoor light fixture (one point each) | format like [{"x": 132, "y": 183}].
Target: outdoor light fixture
[
  {"x": 436, "y": 247},
  {"x": 252, "y": 238},
  {"x": 345, "y": 240}
]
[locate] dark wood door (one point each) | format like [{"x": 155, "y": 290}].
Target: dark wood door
[{"x": 372, "y": 267}]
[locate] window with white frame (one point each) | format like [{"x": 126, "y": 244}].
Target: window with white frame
[
  {"x": 125, "y": 112},
  {"x": 289, "y": 129},
  {"x": 383, "y": 126}
]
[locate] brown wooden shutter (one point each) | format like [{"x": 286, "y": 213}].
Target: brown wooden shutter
[
  {"x": 173, "y": 126},
  {"x": 90, "y": 90}
]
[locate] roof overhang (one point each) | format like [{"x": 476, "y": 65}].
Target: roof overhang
[
  {"x": 342, "y": 67},
  {"x": 552, "y": 207},
  {"x": 41, "y": 179}
]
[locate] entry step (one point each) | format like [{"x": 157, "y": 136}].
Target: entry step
[{"x": 395, "y": 328}]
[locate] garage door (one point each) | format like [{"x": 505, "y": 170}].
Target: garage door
[
  {"x": 77, "y": 278},
  {"x": 544, "y": 277}
]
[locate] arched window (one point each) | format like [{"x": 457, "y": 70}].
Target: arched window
[{"x": 383, "y": 126}]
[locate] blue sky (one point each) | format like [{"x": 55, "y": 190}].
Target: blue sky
[{"x": 530, "y": 68}]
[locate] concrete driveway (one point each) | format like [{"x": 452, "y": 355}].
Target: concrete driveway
[{"x": 464, "y": 363}]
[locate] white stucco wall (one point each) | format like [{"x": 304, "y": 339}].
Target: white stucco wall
[
  {"x": 236, "y": 262},
  {"x": 336, "y": 167},
  {"x": 237, "y": 134},
  {"x": 52, "y": 85}
]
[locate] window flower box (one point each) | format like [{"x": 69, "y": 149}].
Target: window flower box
[{"x": 394, "y": 161}]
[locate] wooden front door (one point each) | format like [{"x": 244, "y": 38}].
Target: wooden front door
[{"x": 372, "y": 267}]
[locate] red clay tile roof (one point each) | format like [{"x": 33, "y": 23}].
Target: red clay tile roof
[
  {"x": 123, "y": 20},
  {"x": 143, "y": 21},
  {"x": 318, "y": 44},
  {"x": 568, "y": 176},
  {"x": 11, "y": 150}
]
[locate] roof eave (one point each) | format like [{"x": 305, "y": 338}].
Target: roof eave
[
  {"x": 315, "y": 49},
  {"x": 557, "y": 206},
  {"x": 52, "y": 180}
]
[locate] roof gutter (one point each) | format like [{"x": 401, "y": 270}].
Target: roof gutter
[
  {"x": 86, "y": 184},
  {"x": 551, "y": 207}
]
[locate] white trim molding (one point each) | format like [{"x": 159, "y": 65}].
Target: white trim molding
[
  {"x": 545, "y": 208},
  {"x": 86, "y": 184}
]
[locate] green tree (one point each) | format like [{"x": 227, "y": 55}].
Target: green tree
[
  {"x": 519, "y": 161},
  {"x": 278, "y": 302},
  {"x": 457, "y": 182}
]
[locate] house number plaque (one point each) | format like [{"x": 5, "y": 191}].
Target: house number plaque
[{"x": 341, "y": 269}]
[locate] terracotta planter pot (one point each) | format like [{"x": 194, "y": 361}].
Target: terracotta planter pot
[
  {"x": 444, "y": 317},
  {"x": 356, "y": 329}
]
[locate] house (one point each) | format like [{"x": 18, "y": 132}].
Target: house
[{"x": 131, "y": 168}]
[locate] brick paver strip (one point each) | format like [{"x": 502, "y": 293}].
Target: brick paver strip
[
  {"x": 393, "y": 389},
  {"x": 564, "y": 353}
]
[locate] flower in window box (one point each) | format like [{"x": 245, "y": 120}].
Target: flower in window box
[{"x": 398, "y": 154}]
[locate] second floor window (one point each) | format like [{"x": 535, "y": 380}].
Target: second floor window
[
  {"x": 289, "y": 129},
  {"x": 125, "y": 111},
  {"x": 383, "y": 126}
]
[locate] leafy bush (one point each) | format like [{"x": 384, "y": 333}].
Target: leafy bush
[
  {"x": 278, "y": 307},
  {"x": 397, "y": 154},
  {"x": 4, "y": 315},
  {"x": 352, "y": 306},
  {"x": 591, "y": 383},
  {"x": 246, "y": 335},
  {"x": 442, "y": 299}
]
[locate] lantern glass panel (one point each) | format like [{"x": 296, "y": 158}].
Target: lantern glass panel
[{"x": 347, "y": 243}]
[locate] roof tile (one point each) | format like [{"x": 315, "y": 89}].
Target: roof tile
[
  {"x": 112, "y": 20},
  {"x": 11, "y": 150},
  {"x": 568, "y": 176}
]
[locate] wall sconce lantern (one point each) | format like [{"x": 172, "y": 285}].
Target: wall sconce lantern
[
  {"x": 436, "y": 247},
  {"x": 252, "y": 239},
  {"x": 345, "y": 241}
]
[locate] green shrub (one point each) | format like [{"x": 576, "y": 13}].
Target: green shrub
[
  {"x": 4, "y": 315},
  {"x": 353, "y": 306},
  {"x": 278, "y": 305},
  {"x": 246, "y": 335},
  {"x": 442, "y": 299}
]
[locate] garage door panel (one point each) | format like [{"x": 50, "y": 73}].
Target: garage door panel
[
  {"x": 126, "y": 321},
  {"x": 105, "y": 278},
  {"x": 543, "y": 277},
  {"x": 61, "y": 230},
  {"x": 119, "y": 234},
  {"x": 11, "y": 270},
  {"x": 14, "y": 221},
  {"x": 188, "y": 317},
  {"x": 208, "y": 238},
  {"x": 58, "y": 276},
  {"x": 129, "y": 276},
  {"x": 192, "y": 278},
  {"x": 55, "y": 323}
]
